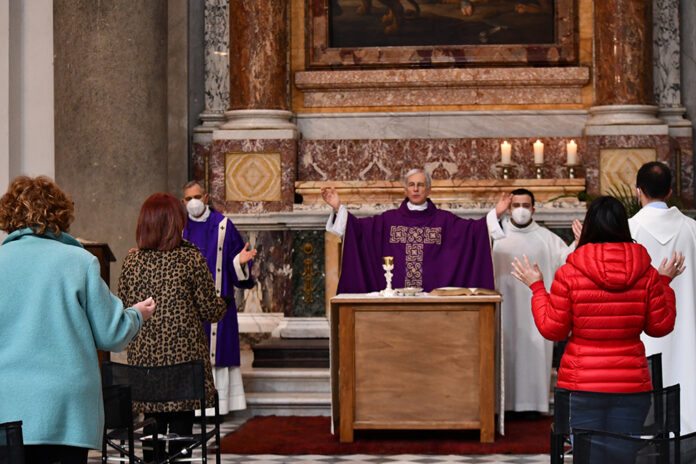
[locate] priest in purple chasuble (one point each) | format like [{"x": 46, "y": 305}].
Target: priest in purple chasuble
[
  {"x": 431, "y": 247},
  {"x": 229, "y": 261}
]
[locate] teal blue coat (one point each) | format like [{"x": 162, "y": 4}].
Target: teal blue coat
[{"x": 55, "y": 312}]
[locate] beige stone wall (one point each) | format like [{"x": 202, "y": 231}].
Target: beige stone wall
[{"x": 110, "y": 113}]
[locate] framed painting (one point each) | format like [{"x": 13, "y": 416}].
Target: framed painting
[{"x": 423, "y": 33}]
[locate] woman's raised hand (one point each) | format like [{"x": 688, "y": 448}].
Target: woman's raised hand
[
  {"x": 525, "y": 272},
  {"x": 673, "y": 267}
]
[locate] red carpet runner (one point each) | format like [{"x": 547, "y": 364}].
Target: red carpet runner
[{"x": 312, "y": 435}]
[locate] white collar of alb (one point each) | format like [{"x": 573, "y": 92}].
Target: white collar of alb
[
  {"x": 413, "y": 207},
  {"x": 203, "y": 217}
]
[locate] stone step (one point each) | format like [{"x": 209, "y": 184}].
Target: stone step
[
  {"x": 289, "y": 404},
  {"x": 292, "y": 352},
  {"x": 280, "y": 380}
]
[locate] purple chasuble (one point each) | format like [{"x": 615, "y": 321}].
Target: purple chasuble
[
  {"x": 205, "y": 236},
  {"x": 431, "y": 248}
]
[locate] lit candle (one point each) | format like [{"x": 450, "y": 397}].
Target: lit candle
[
  {"x": 505, "y": 151},
  {"x": 538, "y": 152},
  {"x": 572, "y": 150}
]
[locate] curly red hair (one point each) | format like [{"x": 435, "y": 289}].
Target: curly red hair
[
  {"x": 160, "y": 224},
  {"x": 37, "y": 203}
]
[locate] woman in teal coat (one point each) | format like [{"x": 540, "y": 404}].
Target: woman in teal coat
[{"x": 55, "y": 312}]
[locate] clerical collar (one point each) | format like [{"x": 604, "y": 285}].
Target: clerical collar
[
  {"x": 413, "y": 207},
  {"x": 658, "y": 205},
  {"x": 203, "y": 217}
]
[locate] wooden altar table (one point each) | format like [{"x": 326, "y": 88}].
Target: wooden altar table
[{"x": 413, "y": 362}]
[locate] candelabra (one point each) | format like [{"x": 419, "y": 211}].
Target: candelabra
[{"x": 506, "y": 168}]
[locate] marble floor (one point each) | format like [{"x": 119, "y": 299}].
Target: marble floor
[{"x": 232, "y": 424}]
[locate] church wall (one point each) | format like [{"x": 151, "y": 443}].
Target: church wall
[{"x": 111, "y": 118}]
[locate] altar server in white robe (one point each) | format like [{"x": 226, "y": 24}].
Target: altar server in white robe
[
  {"x": 527, "y": 356},
  {"x": 664, "y": 231}
]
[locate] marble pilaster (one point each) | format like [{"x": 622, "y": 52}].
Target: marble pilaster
[
  {"x": 667, "y": 67},
  {"x": 217, "y": 60}
]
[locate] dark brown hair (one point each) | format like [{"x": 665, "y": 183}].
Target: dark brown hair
[
  {"x": 605, "y": 222},
  {"x": 37, "y": 203},
  {"x": 161, "y": 222}
]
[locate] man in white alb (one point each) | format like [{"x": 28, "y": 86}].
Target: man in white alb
[
  {"x": 664, "y": 231},
  {"x": 527, "y": 355}
]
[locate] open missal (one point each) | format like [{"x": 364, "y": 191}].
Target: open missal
[{"x": 457, "y": 291}]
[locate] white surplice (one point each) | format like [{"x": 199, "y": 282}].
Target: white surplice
[
  {"x": 527, "y": 355},
  {"x": 663, "y": 231}
]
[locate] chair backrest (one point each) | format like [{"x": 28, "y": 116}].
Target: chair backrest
[
  {"x": 661, "y": 408},
  {"x": 118, "y": 412},
  {"x": 178, "y": 382},
  {"x": 11, "y": 443},
  {"x": 591, "y": 446},
  {"x": 655, "y": 367}
]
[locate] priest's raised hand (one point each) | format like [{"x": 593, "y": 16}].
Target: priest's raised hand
[
  {"x": 246, "y": 254},
  {"x": 331, "y": 197}
]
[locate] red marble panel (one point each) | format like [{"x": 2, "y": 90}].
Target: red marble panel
[
  {"x": 288, "y": 155},
  {"x": 200, "y": 151},
  {"x": 321, "y": 160}
]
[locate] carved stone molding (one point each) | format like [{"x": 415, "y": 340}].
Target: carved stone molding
[
  {"x": 428, "y": 87},
  {"x": 443, "y": 191}
]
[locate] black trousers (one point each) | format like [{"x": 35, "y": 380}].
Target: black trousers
[
  {"x": 54, "y": 454},
  {"x": 179, "y": 422}
]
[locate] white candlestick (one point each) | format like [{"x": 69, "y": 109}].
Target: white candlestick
[
  {"x": 538, "y": 152},
  {"x": 572, "y": 150},
  {"x": 505, "y": 153}
]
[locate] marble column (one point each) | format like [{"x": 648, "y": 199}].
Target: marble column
[
  {"x": 258, "y": 65},
  {"x": 623, "y": 63}
]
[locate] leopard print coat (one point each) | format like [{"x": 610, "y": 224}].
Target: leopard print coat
[{"x": 181, "y": 285}]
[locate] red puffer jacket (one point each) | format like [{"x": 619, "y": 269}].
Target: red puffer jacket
[{"x": 605, "y": 296}]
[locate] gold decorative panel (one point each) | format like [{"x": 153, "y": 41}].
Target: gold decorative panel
[
  {"x": 619, "y": 166},
  {"x": 252, "y": 177}
]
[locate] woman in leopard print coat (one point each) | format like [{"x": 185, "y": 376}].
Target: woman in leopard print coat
[{"x": 174, "y": 273}]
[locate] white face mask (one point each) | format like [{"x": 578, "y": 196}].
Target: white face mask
[
  {"x": 521, "y": 216},
  {"x": 195, "y": 207}
]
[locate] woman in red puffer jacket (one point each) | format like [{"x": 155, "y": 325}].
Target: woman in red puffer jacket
[{"x": 604, "y": 297}]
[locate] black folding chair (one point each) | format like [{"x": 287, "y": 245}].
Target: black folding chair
[
  {"x": 595, "y": 447},
  {"x": 120, "y": 429},
  {"x": 661, "y": 409},
  {"x": 560, "y": 434},
  {"x": 11, "y": 443},
  {"x": 183, "y": 382}
]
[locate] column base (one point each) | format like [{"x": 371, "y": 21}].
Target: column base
[
  {"x": 674, "y": 117},
  {"x": 258, "y": 119},
  {"x": 625, "y": 120}
]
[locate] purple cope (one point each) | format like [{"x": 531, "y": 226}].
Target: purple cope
[{"x": 431, "y": 248}]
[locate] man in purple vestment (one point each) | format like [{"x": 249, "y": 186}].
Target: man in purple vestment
[
  {"x": 431, "y": 247},
  {"x": 229, "y": 261}
]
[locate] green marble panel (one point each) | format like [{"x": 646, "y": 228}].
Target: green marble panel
[{"x": 308, "y": 274}]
